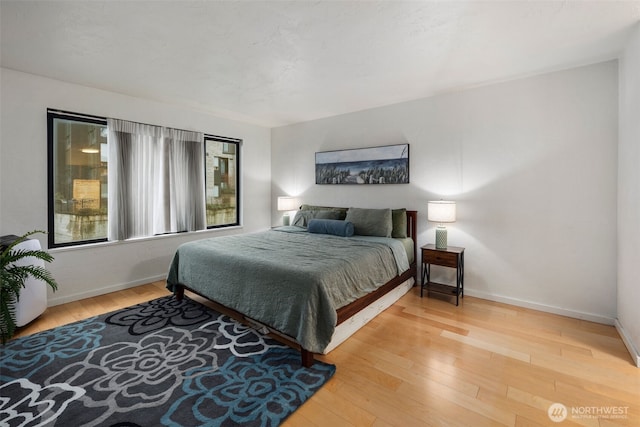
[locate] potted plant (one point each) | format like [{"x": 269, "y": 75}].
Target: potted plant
[{"x": 12, "y": 280}]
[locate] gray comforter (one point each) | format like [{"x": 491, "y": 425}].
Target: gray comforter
[{"x": 288, "y": 279}]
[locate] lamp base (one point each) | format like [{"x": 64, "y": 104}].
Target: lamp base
[
  {"x": 441, "y": 237},
  {"x": 285, "y": 219}
]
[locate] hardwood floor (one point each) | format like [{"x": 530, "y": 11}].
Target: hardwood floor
[{"x": 426, "y": 362}]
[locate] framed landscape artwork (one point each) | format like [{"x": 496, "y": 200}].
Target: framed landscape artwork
[{"x": 388, "y": 164}]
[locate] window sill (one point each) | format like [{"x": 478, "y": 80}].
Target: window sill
[{"x": 143, "y": 239}]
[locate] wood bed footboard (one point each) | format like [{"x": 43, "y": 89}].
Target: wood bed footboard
[{"x": 348, "y": 311}]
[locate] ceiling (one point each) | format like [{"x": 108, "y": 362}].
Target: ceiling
[{"x": 279, "y": 62}]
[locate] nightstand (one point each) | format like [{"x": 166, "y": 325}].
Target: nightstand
[{"x": 452, "y": 257}]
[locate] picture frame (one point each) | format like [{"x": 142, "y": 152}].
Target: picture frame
[{"x": 388, "y": 164}]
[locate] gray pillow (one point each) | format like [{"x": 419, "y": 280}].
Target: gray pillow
[
  {"x": 399, "y": 218},
  {"x": 342, "y": 212},
  {"x": 303, "y": 217},
  {"x": 326, "y": 215},
  {"x": 371, "y": 222}
]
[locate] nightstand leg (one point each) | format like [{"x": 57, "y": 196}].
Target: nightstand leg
[
  {"x": 460, "y": 278},
  {"x": 457, "y": 284},
  {"x": 422, "y": 280},
  {"x": 425, "y": 278},
  {"x": 462, "y": 274}
]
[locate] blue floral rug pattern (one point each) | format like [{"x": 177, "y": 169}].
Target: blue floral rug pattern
[{"x": 163, "y": 362}]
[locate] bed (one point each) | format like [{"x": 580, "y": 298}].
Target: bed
[{"x": 312, "y": 282}]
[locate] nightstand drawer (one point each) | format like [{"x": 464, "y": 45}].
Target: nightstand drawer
[{"x": 446, "y": 259}]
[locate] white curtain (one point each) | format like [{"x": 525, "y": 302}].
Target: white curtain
[{"x": 156, "y": 180}]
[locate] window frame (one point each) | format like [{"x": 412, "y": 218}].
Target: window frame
[
  {"x": 52, "y": 115},
  {"x": 238, "y": 143},
  {"x": 57, "y": 114}
]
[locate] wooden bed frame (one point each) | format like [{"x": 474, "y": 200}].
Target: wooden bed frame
[{"x": 352, "y": 308}]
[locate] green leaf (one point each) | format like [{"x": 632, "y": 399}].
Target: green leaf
[{"x": 13, "y": 277}]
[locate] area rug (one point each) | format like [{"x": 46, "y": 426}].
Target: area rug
[{"x": 163, "y": 362}]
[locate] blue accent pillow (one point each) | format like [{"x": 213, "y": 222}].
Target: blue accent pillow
[{"x": 331, "y": 226}]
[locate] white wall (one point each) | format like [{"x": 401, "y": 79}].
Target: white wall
[
  {"x": 629, "y": 197},
  {"x": 532, "y": 164},
  {"x": 83, "y": 272}
]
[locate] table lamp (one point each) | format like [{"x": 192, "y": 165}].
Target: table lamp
[
  {"x": 441, "y": 212},
  {"x": 287, "y": 204}
]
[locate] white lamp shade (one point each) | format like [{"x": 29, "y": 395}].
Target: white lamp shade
[
  {"x": 441, "y": 211},
  {"x": 287, "y": 203}
]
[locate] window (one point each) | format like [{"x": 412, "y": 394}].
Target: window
[
  {"x": 221, "y": 181},
  {"x": 80, "y": 181},
  {"x": 78, "y": 190}
]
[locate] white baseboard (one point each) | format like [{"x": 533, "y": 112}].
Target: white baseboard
[
  {"x": 635, "y": 355},
  {"x": 543, "y": 307},
  {"x": 101, "y": 291}
]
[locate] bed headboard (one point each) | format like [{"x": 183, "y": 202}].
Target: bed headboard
[{"x": 412, "y": 221}]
